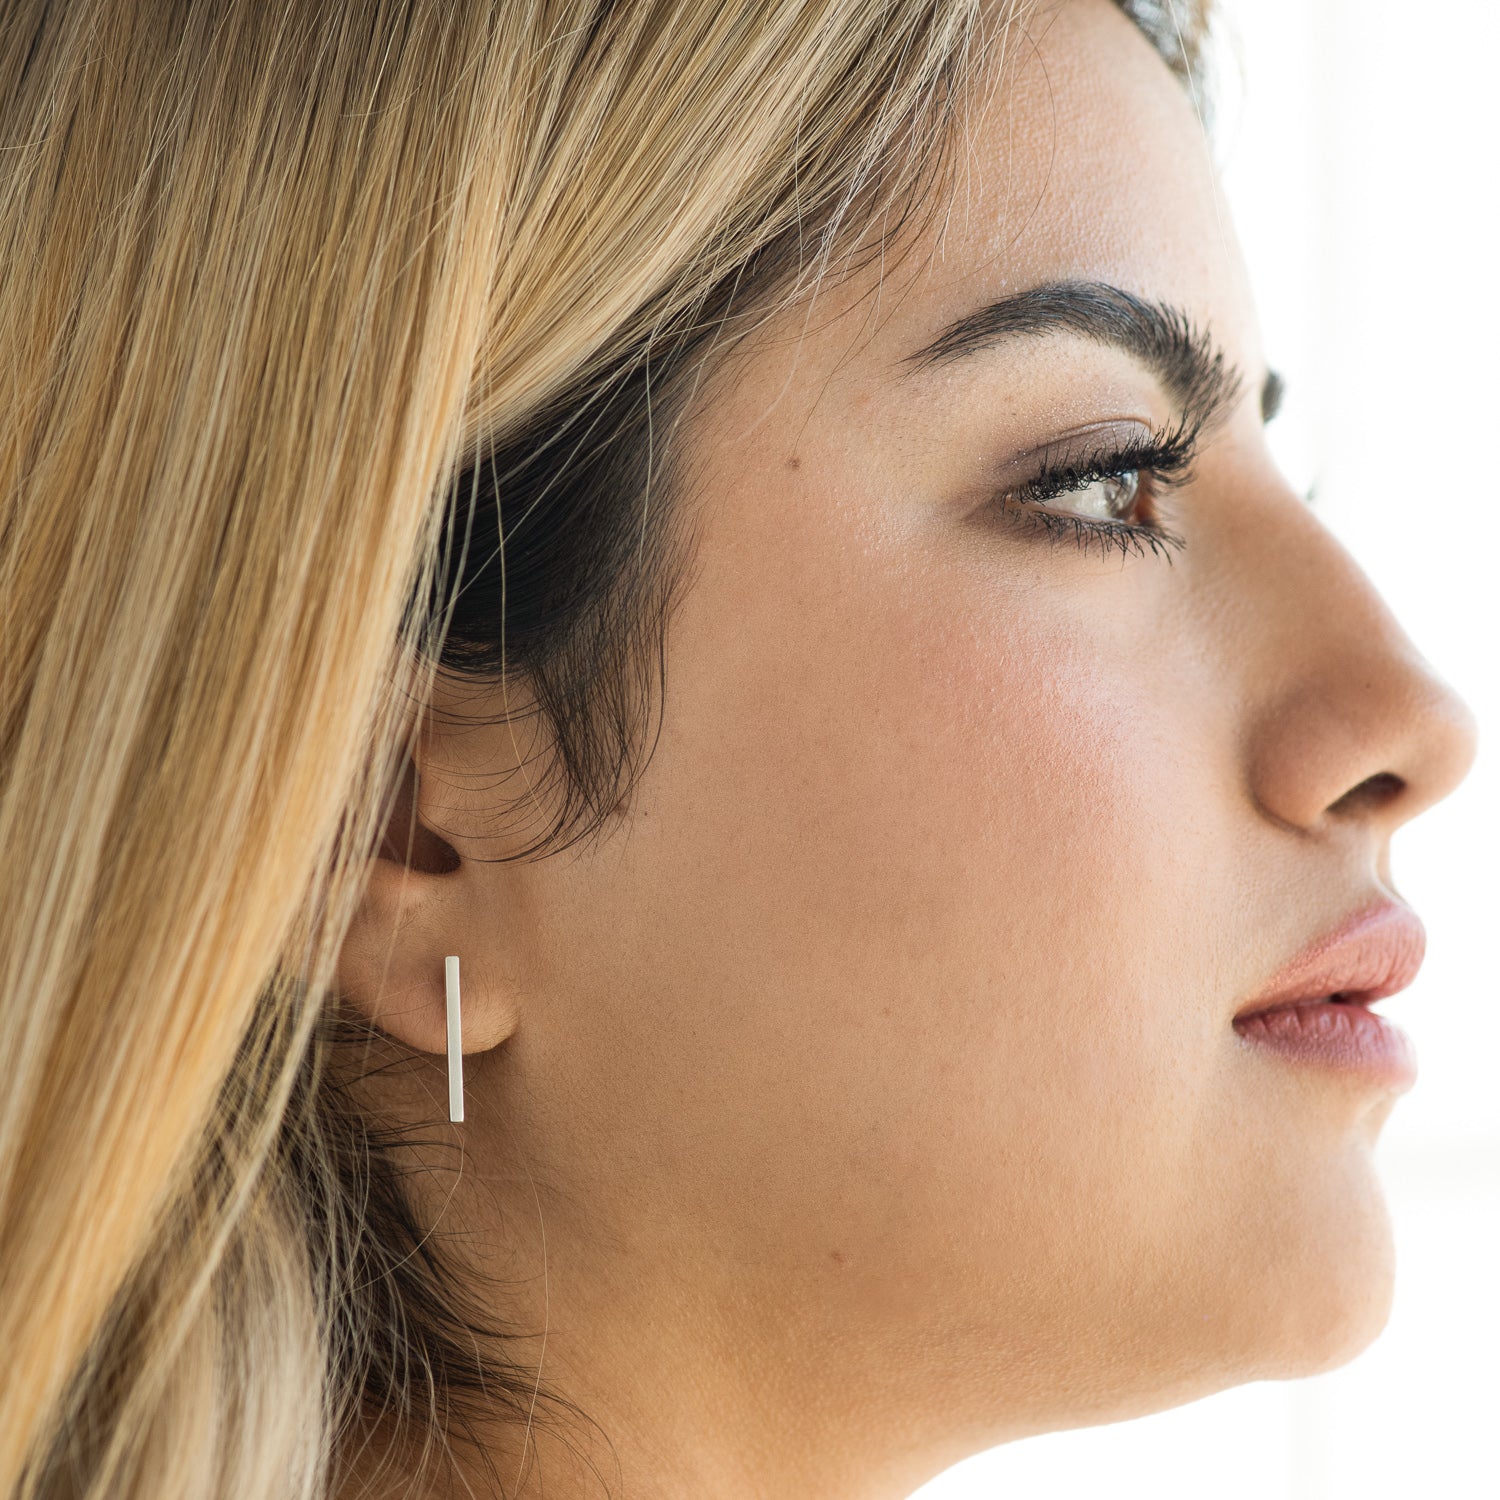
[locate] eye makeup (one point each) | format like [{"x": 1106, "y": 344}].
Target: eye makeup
[{"x": 1124, "y": 471}]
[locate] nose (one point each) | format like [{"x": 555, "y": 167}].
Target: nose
[{"x": 1351, "y": 722}]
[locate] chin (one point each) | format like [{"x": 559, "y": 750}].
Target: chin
[{"x": 1337, "y": 1312}]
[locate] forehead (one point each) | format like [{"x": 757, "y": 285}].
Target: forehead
[{"x": 1079, "y": 156}]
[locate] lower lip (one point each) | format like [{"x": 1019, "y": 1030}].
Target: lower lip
[{"x": 1348, "y": 1038}]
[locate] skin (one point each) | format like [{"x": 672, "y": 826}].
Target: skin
[{"x": 868, "y": 1097}]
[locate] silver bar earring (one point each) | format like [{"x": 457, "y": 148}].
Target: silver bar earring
[{"x": 455, "y": 1043}]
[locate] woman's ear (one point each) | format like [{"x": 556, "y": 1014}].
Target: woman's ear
[{"x": 422, "y": 902}]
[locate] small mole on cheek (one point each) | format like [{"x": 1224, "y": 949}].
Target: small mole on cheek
[
  {"x": 794, "y": 462},
  {"x": 837, "y": 1256}
]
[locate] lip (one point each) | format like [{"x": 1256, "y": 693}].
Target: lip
[{"x": 1373, "y": 953}]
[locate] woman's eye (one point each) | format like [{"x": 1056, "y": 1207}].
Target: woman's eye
[
  {"x": 1091, "y": 498},
  {"x": 1108, "y": 498}
]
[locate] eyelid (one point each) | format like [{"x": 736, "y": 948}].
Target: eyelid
[
  {"x": 1077, "y": 446},
  {"x": 1167, "y": 456}
]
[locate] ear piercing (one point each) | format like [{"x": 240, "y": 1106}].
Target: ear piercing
[{"x": 455, "y": 1043}]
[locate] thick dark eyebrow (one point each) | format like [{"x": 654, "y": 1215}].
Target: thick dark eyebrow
[{"x": 1183, "y": 356}]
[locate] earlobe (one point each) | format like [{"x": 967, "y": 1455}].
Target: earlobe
[{"x": 414, "y": 915}]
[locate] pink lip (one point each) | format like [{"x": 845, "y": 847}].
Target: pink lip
[{"x": 1375, "y": 952}]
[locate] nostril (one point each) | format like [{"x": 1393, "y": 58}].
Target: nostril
[{"x": 1373, "y": 791}]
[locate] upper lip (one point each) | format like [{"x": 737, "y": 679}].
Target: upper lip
[{"x": 1373, "y": 953}]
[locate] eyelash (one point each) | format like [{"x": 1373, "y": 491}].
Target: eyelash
[{"x": 1163, "y": 461}]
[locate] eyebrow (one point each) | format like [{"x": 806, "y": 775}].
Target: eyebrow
[{"x": 1163, "y": 338}]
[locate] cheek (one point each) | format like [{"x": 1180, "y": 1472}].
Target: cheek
[{"x": 951, "y": 867}]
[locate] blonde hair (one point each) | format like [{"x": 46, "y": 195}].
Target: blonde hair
[{"x": 279, "y": 281}]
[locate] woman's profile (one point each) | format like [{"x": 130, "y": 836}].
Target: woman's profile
[{"x": 724, "y": 561}]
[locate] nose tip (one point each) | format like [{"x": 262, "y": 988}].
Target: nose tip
[
  {"x": 1381, "y": 750},
  {"x": 1466, "y": 727},
  {"x": 1445, "y": 745}
]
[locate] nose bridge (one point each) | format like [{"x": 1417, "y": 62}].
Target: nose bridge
[{"x": 1348, "y": 719}]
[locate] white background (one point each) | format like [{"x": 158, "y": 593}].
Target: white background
[{"x": 1358, "y": 140}]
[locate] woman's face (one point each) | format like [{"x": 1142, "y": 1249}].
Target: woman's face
[{"x": 873, "y": 1081}]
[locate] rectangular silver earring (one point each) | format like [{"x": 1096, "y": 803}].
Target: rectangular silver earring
[{"x": 455, "y": 1043}]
